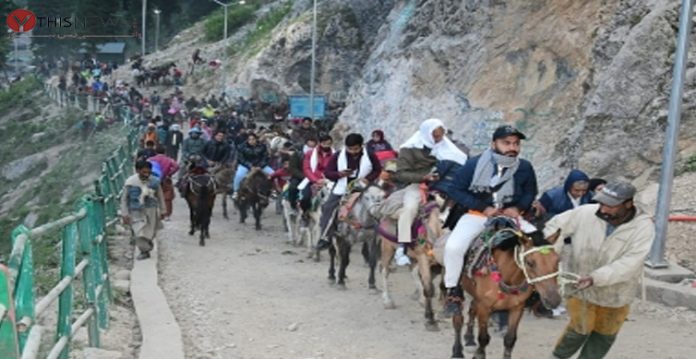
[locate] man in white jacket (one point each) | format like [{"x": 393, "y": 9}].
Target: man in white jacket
[{"x": 610, "y": 242}]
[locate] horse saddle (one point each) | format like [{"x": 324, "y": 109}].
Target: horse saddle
[
  {"x": 388, "y": 228},
  {"x": 500, "y": 232}
]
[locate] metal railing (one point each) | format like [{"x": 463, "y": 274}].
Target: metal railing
[
  {"x": 83, "y": 237},
  {"x": 83, "y": 101}
]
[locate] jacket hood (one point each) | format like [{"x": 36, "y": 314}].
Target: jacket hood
[{"x": 574, "y": 176}]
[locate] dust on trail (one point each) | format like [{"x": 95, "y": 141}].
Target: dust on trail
[{"x": 248, "y": 294}]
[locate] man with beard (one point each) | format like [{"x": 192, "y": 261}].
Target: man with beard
[
  {"x": 610, "y": 242},
  {"x": 497, "y": 182},
  {"x": 352, "y": 163},
  {"x": 142, "y": 203}
]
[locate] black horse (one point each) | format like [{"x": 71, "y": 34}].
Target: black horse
[
  {"x": 254, "y": 193},
  {"x": 200, "y": 196}
]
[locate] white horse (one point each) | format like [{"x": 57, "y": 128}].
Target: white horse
[
  {"x": 290, "y": 217},
  {"x": 308, "y": 224}
]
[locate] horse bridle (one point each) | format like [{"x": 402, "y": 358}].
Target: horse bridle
[
  {"x": 519, "y": 256},
  {"x": 193, "y": 184},
  {"x": 519, "y": 260}
]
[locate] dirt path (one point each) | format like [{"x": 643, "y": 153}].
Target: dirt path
[{"x": 249, "y": 295}]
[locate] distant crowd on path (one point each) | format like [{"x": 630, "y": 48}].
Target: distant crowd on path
[{"x": 587, "y": 212}]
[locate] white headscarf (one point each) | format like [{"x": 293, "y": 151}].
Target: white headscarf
[{"x": 443, "y": 150}]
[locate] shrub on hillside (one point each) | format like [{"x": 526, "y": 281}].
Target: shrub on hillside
[{"x": 237, "y": 16}]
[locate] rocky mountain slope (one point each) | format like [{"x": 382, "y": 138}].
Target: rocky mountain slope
[{"x": 588, "y": 81}]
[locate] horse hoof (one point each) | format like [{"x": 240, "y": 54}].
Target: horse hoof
[
  {"x": 201, "y": 243},
  {"x": 432, "y": 327},
  {"x": 316, "y": 258},
  {"x": 374, "y": 291},
  {"x": 341, "y": 286},
  {"x": 191, "y": 233},
  {"x": 389, "y": 305},
  {"x": 258, "y": 228},
  {"x": 470, "y": 345},
  {"x": 480, "y": 356}
]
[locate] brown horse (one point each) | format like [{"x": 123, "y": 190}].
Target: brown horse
[
  {"x": 223, "y": 175},
  {"x": 200, "y": 196},
  {"x": 254, "y": 194},
  {"x": 511, "y": 264},
  {"x": 421, "y": 254}
]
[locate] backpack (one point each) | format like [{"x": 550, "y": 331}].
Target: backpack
[{"x": 156, "y": 169}]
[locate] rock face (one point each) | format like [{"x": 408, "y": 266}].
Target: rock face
[
  {"x": 587, "y": 81},
  {"x": 346, "y": 33}
]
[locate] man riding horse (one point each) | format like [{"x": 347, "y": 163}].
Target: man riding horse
[
  {"x": 352, "y": 163},
  {"x": 415, "y": 166},
  {"x": 497, "y": 182},
  {"x": 217, "y": 152},
  {"x": 193, "y": 145},
  {"x": 250, "y": 155},
  {"x": 314, "y": 164}
]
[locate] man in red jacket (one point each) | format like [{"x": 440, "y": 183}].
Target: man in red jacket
[
  {"x": 169, "y": 168},
  {"x": 314, "y": 164}
]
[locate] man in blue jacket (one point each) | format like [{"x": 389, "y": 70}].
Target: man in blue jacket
[{"x": 497, "y": 182}]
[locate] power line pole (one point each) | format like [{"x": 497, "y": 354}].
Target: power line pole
[
  {"x": 656, "y": 259},
  {"x": 157, "y": 28},
  {"x": 312, "y": 71},
  {"x": 142, "y": 45}
]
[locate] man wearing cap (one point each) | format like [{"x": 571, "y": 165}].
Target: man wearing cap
[
  {"x": 497, "y": 182},
  {"x": 610, "y": 242}
]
